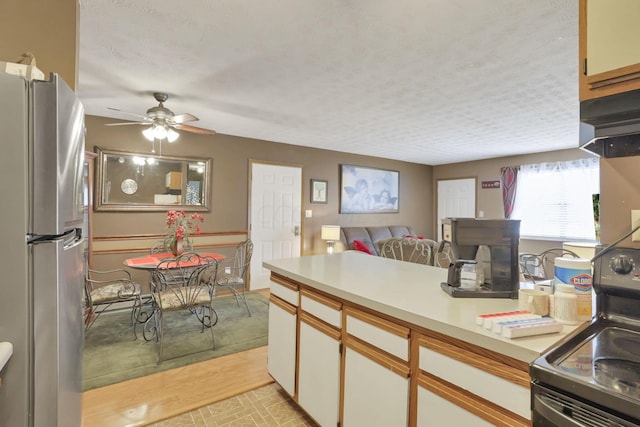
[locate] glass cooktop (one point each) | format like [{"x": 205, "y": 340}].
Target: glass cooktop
[{"x": 609, "y": 360}]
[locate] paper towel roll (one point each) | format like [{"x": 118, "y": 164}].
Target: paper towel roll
[
  {"x": 582, "y": 249},
  {"x": 576, "y": 272}
]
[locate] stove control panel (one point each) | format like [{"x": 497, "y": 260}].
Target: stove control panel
[{"x": 619, "y": 268}]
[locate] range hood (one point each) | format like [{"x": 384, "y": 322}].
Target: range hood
[{"x": 610, "y": 125}]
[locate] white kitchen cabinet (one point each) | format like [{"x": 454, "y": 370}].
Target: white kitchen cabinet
[
  {"x": 612, "y": 34},
  {"x": 477, "y": 384},
  {"x": 319, "y": 358},
  {"x": 436, "y": 411},
  {"x": 383, "y": 375},
  {"x": 375, "y": 393},
  {"x": 376, "y": 371},
  {"x": 283, "y": 327},
  {"x": 319, "y": 371},
  {"x": 281, "y": 362},
  {"x": 380, "y": 333},
  {"x": 609, "y": 51}
]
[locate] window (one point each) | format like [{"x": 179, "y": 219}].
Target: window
[{"x": 554, "y": 201}]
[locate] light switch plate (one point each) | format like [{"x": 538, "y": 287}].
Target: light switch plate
[
  {"x": 308, "y": 213},
  {"x": 635, "y": 221}
]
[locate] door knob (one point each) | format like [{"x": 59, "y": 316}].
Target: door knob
[{"x": 296, "y": 230}]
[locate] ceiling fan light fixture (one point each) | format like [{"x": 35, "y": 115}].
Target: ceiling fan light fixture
[
  {"x": 148, "y": 133},
  {"x": 159, "y": 131},
  {"x": 162, "y": 122},
  {"x": 172, "y": 135}
]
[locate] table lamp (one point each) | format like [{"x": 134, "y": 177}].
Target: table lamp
[{"x": 330, "y": 233}]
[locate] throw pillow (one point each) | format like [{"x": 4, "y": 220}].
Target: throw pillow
[{"x": 360, "y": 246}]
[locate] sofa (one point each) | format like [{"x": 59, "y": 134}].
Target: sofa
[{"x": 370, "y": 236}]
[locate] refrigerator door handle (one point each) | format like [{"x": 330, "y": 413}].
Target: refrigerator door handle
[{"x": 73, "y": 238}]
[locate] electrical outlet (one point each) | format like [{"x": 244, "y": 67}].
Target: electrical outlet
[
  {"x": 635, "y": 221},
  {"x": 227, "y": 270}
]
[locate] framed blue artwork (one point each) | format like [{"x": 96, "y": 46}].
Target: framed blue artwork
[{"x": 368, "y": 190}]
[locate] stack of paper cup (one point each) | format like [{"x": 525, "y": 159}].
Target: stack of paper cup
[{"x": 576, "y": 272}]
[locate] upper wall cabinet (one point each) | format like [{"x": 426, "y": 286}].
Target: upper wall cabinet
[
  {"x": 138, "y": 182},
  {"x": 609, "y": 48}
]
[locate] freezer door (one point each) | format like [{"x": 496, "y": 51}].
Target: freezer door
[
  {"x": 57, "y": 157},
  {"x": 58, "y": 333}
]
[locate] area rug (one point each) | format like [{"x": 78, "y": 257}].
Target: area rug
[{"x": 111, "y": 354}]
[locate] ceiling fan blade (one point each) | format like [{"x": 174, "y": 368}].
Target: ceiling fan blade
[
  {"x": 127, "y": 123},
  {"x": 131, "y": 114},
  {"x": 194, "y": 129},
  {"x": 181, "y": 118}
]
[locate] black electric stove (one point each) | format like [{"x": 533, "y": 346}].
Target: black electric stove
[{"x": 592, "y": 378}]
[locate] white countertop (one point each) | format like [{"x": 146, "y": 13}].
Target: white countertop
[{"x": 412, "y": 293}]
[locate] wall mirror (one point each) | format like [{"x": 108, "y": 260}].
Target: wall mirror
[{"x": 128, "y": 181}]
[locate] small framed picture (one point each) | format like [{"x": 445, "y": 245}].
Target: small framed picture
[{"x": 318, "y": 191}]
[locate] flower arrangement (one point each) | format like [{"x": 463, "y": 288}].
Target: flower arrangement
[{"x": 180, "y": 226}]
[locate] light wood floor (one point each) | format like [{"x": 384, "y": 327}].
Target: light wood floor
[{"x": 147, "y": 400}]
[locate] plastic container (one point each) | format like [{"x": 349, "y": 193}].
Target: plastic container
[
  {"x": 566, "y": 304},
  {"x": 577, "y": 272},
  {"x": 540, "y": 327}
]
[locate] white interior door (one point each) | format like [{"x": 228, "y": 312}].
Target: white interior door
[
  {"x": 456, "y": 199},
  {"x": 274, "y": 216}
]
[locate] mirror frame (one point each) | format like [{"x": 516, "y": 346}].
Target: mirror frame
[{"x": 148, "y": 207}]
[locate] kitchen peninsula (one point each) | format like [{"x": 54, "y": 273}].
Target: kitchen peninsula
[{"x": 365, "y": 340}]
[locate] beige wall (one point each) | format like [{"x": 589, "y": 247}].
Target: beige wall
[
  {"x": 619, "y": 195},
  {"x": 48, "y": 29},
  {"x": 231, "y": 156}
]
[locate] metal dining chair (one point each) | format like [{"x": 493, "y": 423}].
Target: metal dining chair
[
  {"x": 184, "y": 283},
  {"x": 539, "y": 267},
  {"x": 157, "y": 247},
  {"x": 232, "y": 274},
  {"x": 104, "y": 288}
]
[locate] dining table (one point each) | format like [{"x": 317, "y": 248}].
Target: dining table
[{"x": 151, "y": 261}]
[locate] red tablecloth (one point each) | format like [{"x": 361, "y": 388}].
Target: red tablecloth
[{"x": 153, "y": 260}]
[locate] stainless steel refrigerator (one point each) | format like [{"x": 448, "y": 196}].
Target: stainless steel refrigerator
[{"x": 41, "y": 258}]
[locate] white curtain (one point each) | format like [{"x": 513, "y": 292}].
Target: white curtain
[{"x": 555, "y": 200}]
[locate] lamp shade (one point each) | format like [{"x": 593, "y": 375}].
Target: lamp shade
[
  {"x": 159, "y": 131},
  {"x": 330, "y": 232},
  {"x": 172, "y": 135},
  {"x": 148, "y": 133}
]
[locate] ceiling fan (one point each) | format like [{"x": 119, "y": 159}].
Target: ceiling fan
[{"x": 162, "y": 121}]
